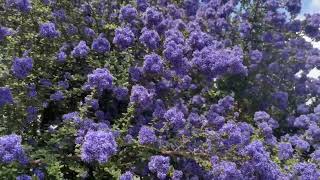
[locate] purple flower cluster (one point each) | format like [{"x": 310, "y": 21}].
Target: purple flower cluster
[
  {"x": 100, "y": 78},
  {"x": 127, "y": 176},
  {"x": 24, "y": 177},
  {"x": 226, "y": 170},
  {"x": 11, "y": 149},
  {"x": 147, "y": 135},
  {"x": 123, "y": 38},
  {"x": 140, "y": 96},
  {"x": 128, "y": 13},
  {"x": 313, "y": 24},
  {"x": 57, "y": 96},
  {"x": 61, "y": 56},
  {"x": 159, "y": 165},
  {"x": 4, "y": 32},
  {"x": 294, "y": 6},
  {"x": 175, "y": 117},
  {"x": 285, "y": 151},
  {"x": 120, "y": 93},
  {"x": 101, "y": 45},
  {"x": 21, "y": 5},
  {"x": 5, "y": 96},
  {"x": 153, "y": 64},
  {"x": 48, "y": 30},
  {"x": 98, "y": 146},
  {"x": 152, "y": 17},
  {"x": 177, "y": 175},
  {"x": 21, "y": 67},
  {"x": 150, "y": 38},
  {"x": 81, "y": 50},
  {"x": 214, "y": 62},
  {"x": 142, "y": 4}
]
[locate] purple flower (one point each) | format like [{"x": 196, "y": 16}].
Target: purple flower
[
  {"x": 32, "y": 113},
  {"x": 299, "y": 143},
  {"x": 215, "y": 120},
  {"x": 101, "y": 45},
  {"x": 294, "y": 6},
  {"x": 312, "y": 26},
  {"x": 127, "y": 176},
  {"x": 196, "y": 120},
  {"x": 128, "y": 13},
  {"x": 159, "y": 109},
  {"x": 256, "y": 56},
  {"x": 5, "y": 96},
  {"x": 191, "y": 6},
  {"x": 150, "y": 38},
  {"x": 63, "y": 84},
  {"x": 24, "y": 177},
  {"x": 100, "y": 78},
  {"x": 89, "y": 33},
  {"x": 120, "y": 93},
  {"x": 72, "y": 30},
  {"x": 280, "y": 99},
  {"x": 73, "y": 116},
  {"x": 314, "y": 131},
  {"x": 198, "y": 40},
  {"x": 98, "y": 146},
  {"x": 142, "y": 5},
  {"x": 177, "y": 175},
  {"x": 61, "y": 56},
  {"x": 135, "y": 73},
  {"x": 153, "y": 64},
  {"x": 45, "y": 82},
  {"x": 226, "y": 170},
  {"x": 123, "y": 38},
  {"x": 48, "y": 30},
  {"x": 316, "y": 155},
  {"x": 81, "y": 50},
  {"x": 261, "y": 116},
  {"x": 262, "y": 166},
  {"x": 59, "y": 14},
  {"x": 32, "y": 91},
  {"x": 11, "y": 149},
  {"x": 174, "y": 12},
  {"x": 272, "y": 4},
  {"x": 57, "y": 96},
  {"x": 214, "y": 62},
  {"x": 317, "y": 109},
  {"x": 294, "y": 26},
  {"x": 159, "y": 165},
  {"x": 306, "y": 171},
  {"x": 303, "y": 109},
  {"x": 39, "y": 174},
  {"x": 152, "y": 17},
  {"x": 141, "y": 96},
  {"x": 21, "y": 5},
  {"x": 302, "y": 122},
  {"x": 4, "y": 32},
  {"x": 285, "y": 151},
  {"x": 244, "y": 28},
  {"x": 173, "y": 52},
  {"x": 147, "y": 135},
  {"x": 22, "y": 67},
  {"x": 175, "y": 117}
]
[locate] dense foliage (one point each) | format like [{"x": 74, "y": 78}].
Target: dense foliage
[{"x": 158, "y": 89}]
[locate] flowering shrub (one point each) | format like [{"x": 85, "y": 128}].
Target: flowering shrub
[{"x": 158, "y": 89}]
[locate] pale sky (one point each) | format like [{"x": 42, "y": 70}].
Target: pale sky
[{"x": 311, "y": 6}]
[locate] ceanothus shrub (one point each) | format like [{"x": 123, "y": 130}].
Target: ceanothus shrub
[{"x": 158, "y": 89}]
